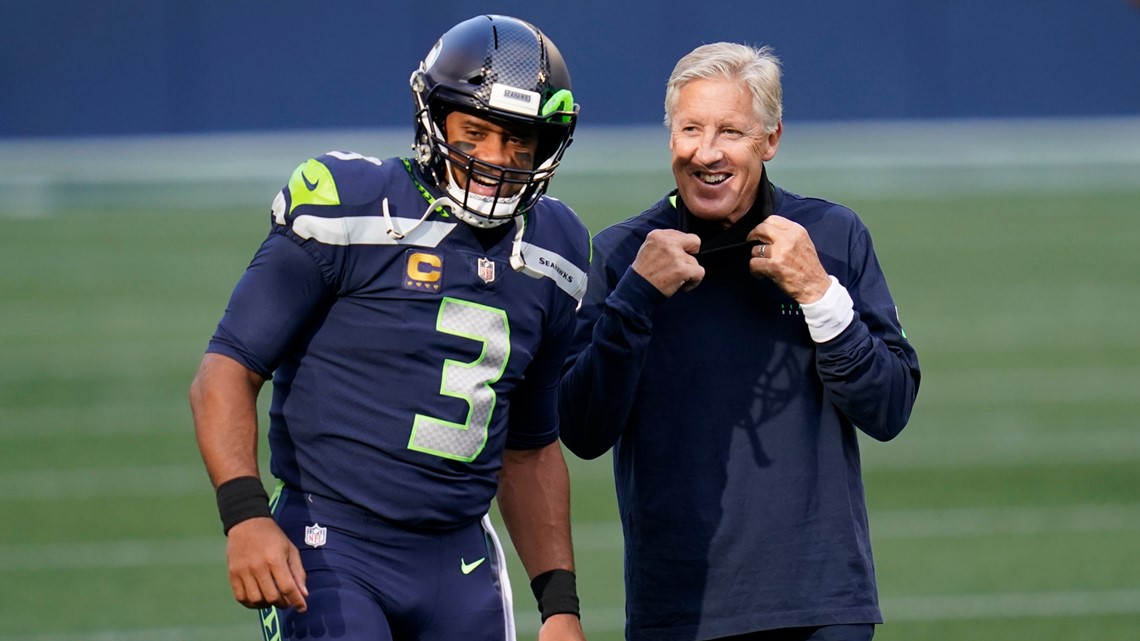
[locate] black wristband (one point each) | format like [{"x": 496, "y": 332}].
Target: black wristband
[
  {"x": 241, "y": 499},
  {"x": 556, "y": 592}
]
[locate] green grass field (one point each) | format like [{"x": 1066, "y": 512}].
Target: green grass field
[{"x": 1008, "y": 509}]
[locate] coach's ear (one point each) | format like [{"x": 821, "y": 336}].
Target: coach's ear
[{"x": 773, "y": 143}]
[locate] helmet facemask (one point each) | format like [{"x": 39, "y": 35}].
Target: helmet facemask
[{"x": 516, "y": 189}]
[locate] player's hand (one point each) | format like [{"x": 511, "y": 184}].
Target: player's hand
[
  {"x": 562, "y": 627},
  {"x": 265, "y": 567},
  {"x": 787, "y": 256},
  {"x": 666, "y": 260}
]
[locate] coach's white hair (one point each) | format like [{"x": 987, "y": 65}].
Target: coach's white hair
[{"x": 757, "y": 67}]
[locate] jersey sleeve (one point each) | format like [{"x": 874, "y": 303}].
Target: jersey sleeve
[
  {"x": 534, "y": 418},
  {"x": 326, "y": 207},
  {"x": 302, "y": 263},
  {"x": 273, "y": 301}
]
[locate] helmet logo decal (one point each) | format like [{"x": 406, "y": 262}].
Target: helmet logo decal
[
  {"x": 514, "y": 99},
  {"x": 562, "y": 100}
]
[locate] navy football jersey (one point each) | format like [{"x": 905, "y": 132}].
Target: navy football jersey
[{"x": 406, "y": 351}]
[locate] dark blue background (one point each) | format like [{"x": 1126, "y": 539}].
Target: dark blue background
[{"x": 75, "y": 67}]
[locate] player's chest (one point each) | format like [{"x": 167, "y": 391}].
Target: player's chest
[
  {"x": 425, "y": 274},
  {"x": 402, "y": 302}
]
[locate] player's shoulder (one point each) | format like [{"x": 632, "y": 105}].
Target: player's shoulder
[
  {"x": 559, "y": 214},
  {"x": 341, "y": 178},
  {"x": 340, "y": 184},
  {"x": 559, "y": 228}
]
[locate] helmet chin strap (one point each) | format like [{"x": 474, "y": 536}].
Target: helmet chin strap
[
  {"x": 518, "y": 261},
  {"x": 396, "y": 234}
]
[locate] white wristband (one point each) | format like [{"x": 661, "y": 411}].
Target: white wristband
[{"x": 830, "y": 315}]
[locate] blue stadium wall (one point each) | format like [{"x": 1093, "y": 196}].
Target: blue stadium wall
[{"x": 81, "y": 68}]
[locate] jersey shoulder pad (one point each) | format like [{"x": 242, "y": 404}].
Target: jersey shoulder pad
[
  {"x": 334, "y": 179},
  {"x": 554, "y": 244},
  {"x": 559, "y": 227}
]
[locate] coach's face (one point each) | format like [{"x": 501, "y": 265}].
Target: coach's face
[{"x": 719, "y": 149}]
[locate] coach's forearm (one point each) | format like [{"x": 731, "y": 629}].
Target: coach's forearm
[{"x": 595, "y": 395}]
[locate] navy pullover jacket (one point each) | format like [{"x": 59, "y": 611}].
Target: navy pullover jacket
[{"x": 736, "y": 460}]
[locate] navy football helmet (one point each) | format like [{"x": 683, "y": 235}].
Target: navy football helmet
[{"x": 506, "y": 71}]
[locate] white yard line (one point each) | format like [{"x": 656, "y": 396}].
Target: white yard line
[
  {"x": 604, "y": 536},
  {"x": 998, "y": 445},
  {"x": 942, "y": 523},
  {"x": 196, "y": 633},
  {"x": 1001, "y": 444},
  {"x": 102, "y": 482},
  {"x": 1015, "y": 520},
  {"x": 1011, "y": 605},
  {"x": 113, "y": 554},
  {"x": 957, "y": 607},
  {"x": 971, "y": 387},
  {"x": 891, "y": 157}
]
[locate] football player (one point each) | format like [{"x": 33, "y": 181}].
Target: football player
[{"x": 413, "y": 314}]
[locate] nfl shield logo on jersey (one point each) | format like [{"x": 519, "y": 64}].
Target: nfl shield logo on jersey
[
  {"x": 315, "y": 535},
  {"x": 486, "y": 269}
]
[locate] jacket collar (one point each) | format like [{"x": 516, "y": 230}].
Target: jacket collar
[{"x": 713, "y": 236}]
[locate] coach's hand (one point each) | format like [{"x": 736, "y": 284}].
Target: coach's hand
[
  {"x": 666, "y": 259},
  {"x": 562, "y": 627},
  {"x": 787, "y": 255},
  {"x": 265, "y": 566}
]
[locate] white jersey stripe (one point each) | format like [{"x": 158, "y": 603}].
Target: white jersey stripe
[
  {"x": 369, "y": 230},
  {"x": 538, "y": 261}
]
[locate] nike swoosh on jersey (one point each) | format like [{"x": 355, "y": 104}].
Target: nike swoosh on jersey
[
  {"x": 468, "y": 568},
  {"x": 310, "y": 185}
]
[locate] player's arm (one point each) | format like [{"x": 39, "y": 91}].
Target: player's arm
[
  {"x": 264, "y": 567},
  {"x": 279, "y": 291},
  {"x": 534, "y": 500},
  {"x": 534, "y": 487},
  {"x": 223, "y": 399}
]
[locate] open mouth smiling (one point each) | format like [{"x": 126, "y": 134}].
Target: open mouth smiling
[{"x": 712, "y": 178}]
